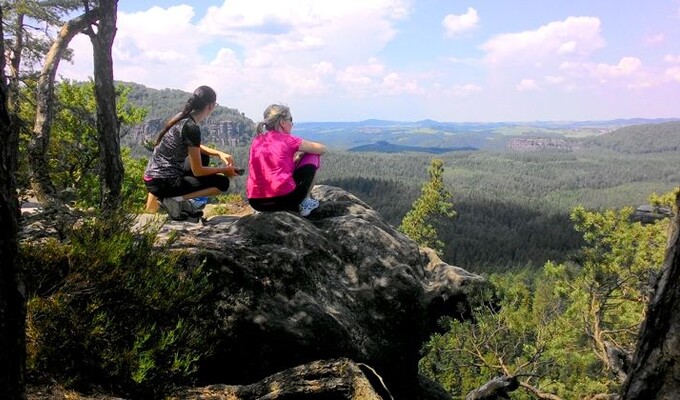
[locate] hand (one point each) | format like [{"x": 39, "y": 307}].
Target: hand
[
  {"x": 298, "y": 156},
  {"x": 227, "y": 159},
  {"x": 231, "y": 171}
]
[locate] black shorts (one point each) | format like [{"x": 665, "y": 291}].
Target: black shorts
[
  {"x": 171, "y": 187},
  {"x": 303, "y": 177}
]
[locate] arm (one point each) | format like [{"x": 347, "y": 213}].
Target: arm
[
  {"x": 312, "y": 147},
  {"x": 199, "y": 170},
  {"x": 227, "y": 159}
]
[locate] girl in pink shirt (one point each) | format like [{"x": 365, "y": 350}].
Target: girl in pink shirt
[{"x": 282, "y": 166}]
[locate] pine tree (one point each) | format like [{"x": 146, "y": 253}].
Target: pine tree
[{"x": 434, "y": 203}]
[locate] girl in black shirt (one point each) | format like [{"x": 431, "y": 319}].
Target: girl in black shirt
[{"x": 166, "y": 176}]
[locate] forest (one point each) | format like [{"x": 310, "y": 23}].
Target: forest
[
  {"x": 556, "y": 232},
  {"x": 543, "y": 226},
  {"x": 513, "y": 206}
]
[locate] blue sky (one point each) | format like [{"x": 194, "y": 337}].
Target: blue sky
[{"x": 407, "y": 60}]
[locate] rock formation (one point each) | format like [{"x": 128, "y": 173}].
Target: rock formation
[
  {"x": 341, "y": 284},
  {"x": 655, "y": 369}
]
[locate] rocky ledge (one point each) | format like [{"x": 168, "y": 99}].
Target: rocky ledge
[{"x": 341, "y": 284}]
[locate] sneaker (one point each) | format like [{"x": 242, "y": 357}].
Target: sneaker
[
  {"x": 307, "y": 205},
  {"x": 174, "y": 209},
  {"x": 189, "y": 207},
  {"x": 199, "y": 202}
]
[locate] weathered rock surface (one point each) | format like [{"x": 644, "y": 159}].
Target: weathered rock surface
[
  {"x": 339, "y": 284},
  {"x": 334, "y": 379},
  {"x": 655, "y": 370}
]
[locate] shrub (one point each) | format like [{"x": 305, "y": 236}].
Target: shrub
[{"x": 120, "y": 312}]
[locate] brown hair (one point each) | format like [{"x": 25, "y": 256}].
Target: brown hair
[{"x": 202, "y": 97}]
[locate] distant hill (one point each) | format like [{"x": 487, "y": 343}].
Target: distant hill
[
  {"x": 639, "y": 139},
  {"x": 386, "y": 147},
  {"x": 225, "y": 127},
  {"x": 496, "y": 136}
]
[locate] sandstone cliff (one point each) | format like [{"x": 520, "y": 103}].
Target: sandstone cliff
[{"x": 341, "y": 284}]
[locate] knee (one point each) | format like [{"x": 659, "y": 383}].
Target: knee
[
  {"x": 222, "y": 184},
  {"x": 310, "y": 159}
]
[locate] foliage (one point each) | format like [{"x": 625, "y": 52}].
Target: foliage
[
  {"x": 224, "y": 126},
  {"x": 74, "y": 149},
  {"x": 134, "y": 190},
  {"x": 513, "y": 209},
  {"x": 648, "y": 138},
  {"x": 37, "y": 17},
  {"x": 110, "y": 308},
  {"x": 433, "y": 203},
  {"x": 555, "y": 328}
]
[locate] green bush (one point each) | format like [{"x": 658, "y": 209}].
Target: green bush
[
  {"x": 119, "y": 312},
  {"x": 554, "y": 328}
]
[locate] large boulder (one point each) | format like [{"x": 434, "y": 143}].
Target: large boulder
[{"x": 341, "y": 283}]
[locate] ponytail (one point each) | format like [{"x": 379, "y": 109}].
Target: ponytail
[
  {"x": 202, "y": 97},
  {"x": 273, "y": 116},
  {"x": 261, "y": 127}
]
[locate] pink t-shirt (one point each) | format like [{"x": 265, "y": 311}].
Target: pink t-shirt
[{"x": 271, "y": 166}]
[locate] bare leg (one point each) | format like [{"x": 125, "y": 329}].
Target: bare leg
[
  {"x": 213, "y": 191},
  {"x": 151, "y": 203}
]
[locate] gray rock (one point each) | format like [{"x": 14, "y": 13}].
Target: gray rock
[
  {"x": 331, "y": 379},
  {"x": 341, "y": 283}
]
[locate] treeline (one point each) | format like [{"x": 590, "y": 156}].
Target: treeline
[
  {"x": 165, "y": 103},
  {"x": 640, "y": 139},
  {"x": 512, "y": 208}
]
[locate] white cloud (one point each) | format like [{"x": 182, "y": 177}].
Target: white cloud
[
  {"x": 673, "y": 73},
  {"x": 629, "y": 73},
  {"x": 260, "y": 59},
  {"x": 457, "y": 24},
  {"x": 626, "y": 67},
  {"x": 554, "y": 80},
  {"x": 526, "y": 85},
  {"x": 344, "y": 31},
  {"x": 575, "y": 36},
  {"x": 653, "y": 40},
  {"x": 158, "y": 47},
  {"x": 315, "y": 55},
  {"x": 396, "y": 84},
  {"x": 324, "y": 68},
  {"x": 672, "y": 58},
  {"x": 157, "y": 35},
  {"x": 361, "y": 80},
  {"x": 465, "y": 90},
  {"x": 242, "y": 46}
]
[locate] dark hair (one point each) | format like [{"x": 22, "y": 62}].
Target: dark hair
[{"x": 202, "y": 97}]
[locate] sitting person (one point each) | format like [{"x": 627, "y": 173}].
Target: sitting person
[
  {"x": 282, "y": 167},
  {"x": 180, "y": 140}
]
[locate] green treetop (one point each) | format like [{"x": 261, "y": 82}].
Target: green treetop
[{"x": 434, "y": 203}]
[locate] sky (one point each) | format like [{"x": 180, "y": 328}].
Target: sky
[{"x": 406, "y": 60}]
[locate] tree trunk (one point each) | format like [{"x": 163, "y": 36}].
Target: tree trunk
[
  {"x": 37, "y": 148},
  {"x": 110, "y": 162},
  {"x": 655, "y": 370},
  {"x": 13, "y": 87},
  {"x": 12, "y": 301}
]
